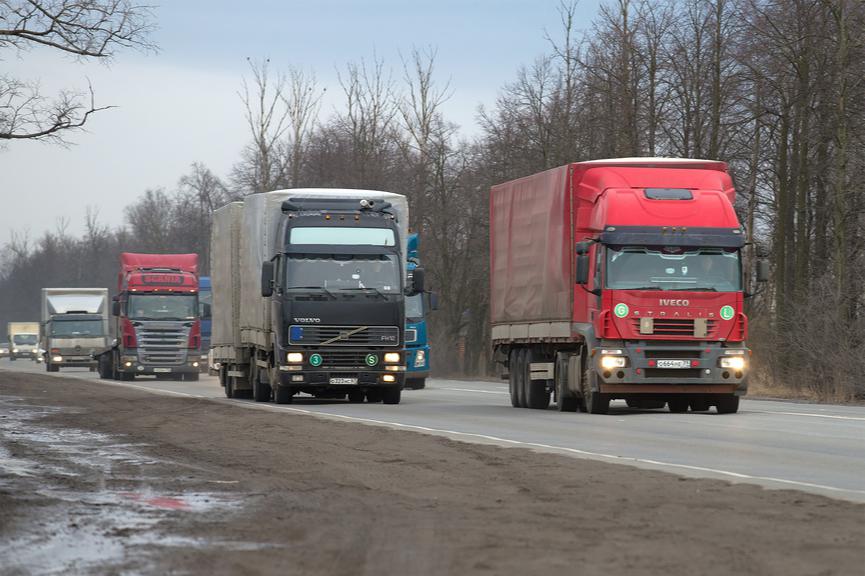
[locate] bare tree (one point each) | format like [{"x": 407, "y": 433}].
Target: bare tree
[{"x": 93, "y": 29}]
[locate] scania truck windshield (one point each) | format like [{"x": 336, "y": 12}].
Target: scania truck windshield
[
  {"x": 162, "y": 307},
  {"x": 380, "y": 272},
  {"x": 673, "y": 268}
]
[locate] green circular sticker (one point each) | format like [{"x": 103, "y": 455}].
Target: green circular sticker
[
  {"x": 316, "y": 360},
  {"x": 727, "y": 312},
  {"x": 371, "y": 359},
  {"x": 621, "y": 310}
]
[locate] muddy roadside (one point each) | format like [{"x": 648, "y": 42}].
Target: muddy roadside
[{"x": 99, "y": 479}]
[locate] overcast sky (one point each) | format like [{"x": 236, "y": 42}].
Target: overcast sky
[{"x": 181, "y": 105}]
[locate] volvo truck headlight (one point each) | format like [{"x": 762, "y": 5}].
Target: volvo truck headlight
[
  {"x": 736, "y": 363},
  {"x": 392, "y": 357},
  {"x": 610, "y": 362},
  {"x": 420, "y": 358},
  {"x": 15, "y": 350},
  {"x": 295, "y": 357},
  {"x": 57, "y": 358}
]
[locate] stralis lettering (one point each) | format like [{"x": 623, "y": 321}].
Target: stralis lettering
[
  {"x": 308, "y": 320},
  {"x": 667, "y": 302}
]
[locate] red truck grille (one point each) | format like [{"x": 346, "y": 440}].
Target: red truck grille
[{"x": 676, "y": 327}]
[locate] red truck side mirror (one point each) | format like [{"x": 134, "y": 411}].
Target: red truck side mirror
[
  {"x": 115, "y": 307},
  {"x": 582, "y": 272},
  {"x": 762, "y": 270}
]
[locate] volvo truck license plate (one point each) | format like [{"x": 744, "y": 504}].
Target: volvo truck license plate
[
  {"x": 162, "y": 369},
  {"x": 343, "y": 380}
]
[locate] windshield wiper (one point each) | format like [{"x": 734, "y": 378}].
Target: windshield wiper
[
  {"x": 322, "y": 288},
  {"x": 375, "y": 290},
  {"x": 704, "y": 289},
  {"x": 644, "y": 288}
]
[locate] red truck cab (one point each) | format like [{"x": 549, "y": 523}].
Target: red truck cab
[
  {"x": 156, "y": 318},
  {"x": 620, "y": 278}
]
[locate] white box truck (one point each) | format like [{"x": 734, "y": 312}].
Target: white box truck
[
  {"x": 23, "y": 341},
  {"x": 74, "y": 326}
]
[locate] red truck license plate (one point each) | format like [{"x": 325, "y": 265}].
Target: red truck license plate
[{"x": 674, "y": 363}]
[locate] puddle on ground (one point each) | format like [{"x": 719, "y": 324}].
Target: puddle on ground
[{"x": 92, "y": 528}]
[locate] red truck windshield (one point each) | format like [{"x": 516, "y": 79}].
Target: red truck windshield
[
  {"x": 162, "y": 307},
  {"x": 673, "y": 268}
]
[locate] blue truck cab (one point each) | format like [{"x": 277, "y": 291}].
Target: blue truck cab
[
  {"x": 205, "y": 304},
  {"x": 417, "y": 308}
]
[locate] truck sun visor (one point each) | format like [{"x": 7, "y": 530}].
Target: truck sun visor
[{"x": 668, "y": 194}]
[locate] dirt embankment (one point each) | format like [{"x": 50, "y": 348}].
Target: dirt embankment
[{"x": 158, "y": 484}]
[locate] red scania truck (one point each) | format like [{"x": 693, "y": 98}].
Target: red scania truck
[
  {"x": 622, "y": 279},
  {"x": 156, "y": 319}
]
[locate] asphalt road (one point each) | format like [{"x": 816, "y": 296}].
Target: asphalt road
[{"x": 784, "y": 445}]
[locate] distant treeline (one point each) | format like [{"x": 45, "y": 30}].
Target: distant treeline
[{"x": 775, "y": 88}]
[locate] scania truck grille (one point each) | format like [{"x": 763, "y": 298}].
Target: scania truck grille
[
  {"x": 344, "y": 335},
  {"x": 163, "y": 346}
]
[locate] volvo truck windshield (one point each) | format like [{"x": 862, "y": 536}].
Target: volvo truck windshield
[{"x": 351, "y": 272}]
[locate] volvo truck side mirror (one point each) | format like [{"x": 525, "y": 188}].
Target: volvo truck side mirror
[
  {"x": 762, "y": 270},
  {"x": 115, "y": 307},
  {"x": 417, "y": 279},
  {"x": 266, "y": 279},
  {"x": 433, "y": 301}
]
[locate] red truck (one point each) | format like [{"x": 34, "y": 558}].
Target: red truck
[
  {"x": 156, "y": 319},
  {"x": 622, "y": 279}
]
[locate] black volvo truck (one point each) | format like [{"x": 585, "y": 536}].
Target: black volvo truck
[{"x": 309, "y": 294}]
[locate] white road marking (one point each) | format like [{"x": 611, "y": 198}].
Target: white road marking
[
  {"x": 473, "y": 390},
  {"x": 585, "y": 453},
  {"x": 861, "y": 419}
]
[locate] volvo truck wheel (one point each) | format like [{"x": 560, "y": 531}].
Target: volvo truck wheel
[
  {"x": 727, "y": 404},
  {"x": 226, "y": 382},
  {"x": 391, "y": 395},
  {"x": 513, "y": 361},
  {"x": 283, "y": 394},
  {"x": 373, "y": 396},
  {"x": 356, "y": 396},
  {"x": 261, "y": 391},
  {"x": 191, "y": 377}
]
